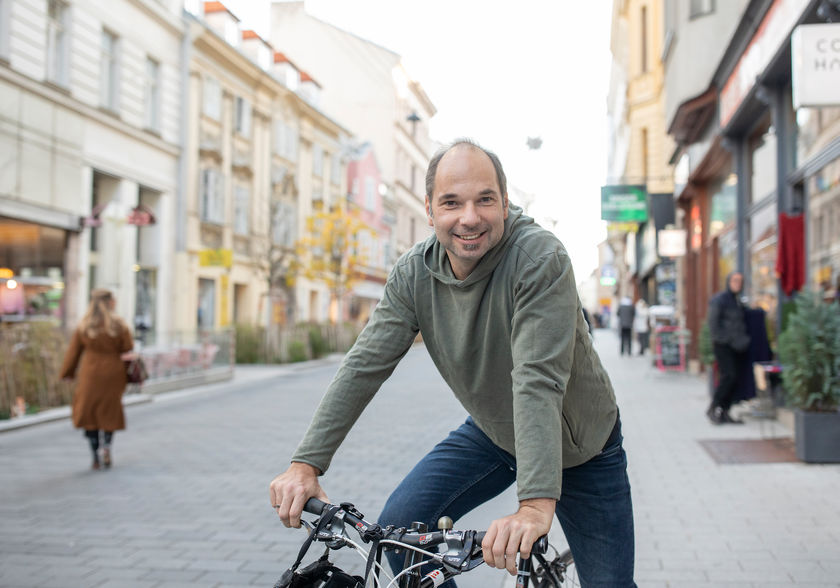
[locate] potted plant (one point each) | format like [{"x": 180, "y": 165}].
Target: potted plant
[{"x": 809, "y": 351}]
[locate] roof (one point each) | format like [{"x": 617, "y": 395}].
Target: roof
[
  {"x": 211, "y": 7},
  {"x": 251, "y": 34}
]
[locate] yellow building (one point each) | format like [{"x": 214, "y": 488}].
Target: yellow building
[
  {"x": 259, "y": 153},
  {"x": 640, "y": 145}
]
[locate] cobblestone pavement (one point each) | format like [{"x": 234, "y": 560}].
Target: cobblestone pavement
[{"x": 186, "y": 503}]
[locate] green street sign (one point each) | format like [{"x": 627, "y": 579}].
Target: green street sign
[{"x": 620, "y": 203}]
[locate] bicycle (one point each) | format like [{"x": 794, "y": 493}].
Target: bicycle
[{"x": 462, "y": 553}]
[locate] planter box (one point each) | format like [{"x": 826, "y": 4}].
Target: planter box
[{"x": 817, "y": 436}]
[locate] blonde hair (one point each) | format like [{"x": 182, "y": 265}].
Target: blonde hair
[{"x": 99, "y": 318}]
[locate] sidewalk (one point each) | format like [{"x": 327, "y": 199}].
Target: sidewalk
[
  {"x": 701, "y": 521},
  {"x": 243, "y": 375}
]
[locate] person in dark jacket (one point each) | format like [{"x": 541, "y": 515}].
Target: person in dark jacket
[
  {"x": 728, "y": 329},
  {"x": 626, "y": 315}
]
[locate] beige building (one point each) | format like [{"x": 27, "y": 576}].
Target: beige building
[
  {"x": 89, "y": 156},
  {"x": 260, "y": 157},
  {"x": 367, "y": 88},
  {"x": 640, "y": 148}
]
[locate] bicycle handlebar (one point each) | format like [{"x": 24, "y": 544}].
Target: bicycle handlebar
[
  {"x": 414, "y": 539},
  {"x": 464, "y": 547}
]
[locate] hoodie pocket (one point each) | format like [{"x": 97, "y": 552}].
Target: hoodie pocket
[{"x": 570, "y": 431}]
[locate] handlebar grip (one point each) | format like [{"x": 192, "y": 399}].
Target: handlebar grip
[
  {"x": 314, "y": 506},
  {"x": 540, "y": 545}
]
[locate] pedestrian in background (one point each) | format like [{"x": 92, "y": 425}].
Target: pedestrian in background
[
  {"x": 728, "y": 329},
  {"x": 641, "y": 325},
  {"x": 98, "y": 347},
  {"x": 626, "y": 314}
]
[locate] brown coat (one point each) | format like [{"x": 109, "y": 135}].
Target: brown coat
[{"x": 97, "y": 402}]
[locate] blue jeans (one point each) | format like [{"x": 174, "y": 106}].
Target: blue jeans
[{"x": 467, "y": 469}]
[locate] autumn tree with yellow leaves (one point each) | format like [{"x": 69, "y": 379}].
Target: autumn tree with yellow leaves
[{"x": 331, "y": 251}]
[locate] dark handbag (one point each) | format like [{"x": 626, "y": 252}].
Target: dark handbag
[{"x": 135, "y": 370}]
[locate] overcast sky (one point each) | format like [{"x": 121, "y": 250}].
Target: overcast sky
[{"x": 500, "y": 72}]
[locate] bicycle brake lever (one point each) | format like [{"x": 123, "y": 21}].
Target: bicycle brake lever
[{"x": 463, "y": 559}]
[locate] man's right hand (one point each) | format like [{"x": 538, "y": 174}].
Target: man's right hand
[{"x": 290, "y": 490}]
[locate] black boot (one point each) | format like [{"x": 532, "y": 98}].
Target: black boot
[{"x": 715, "y": 414}]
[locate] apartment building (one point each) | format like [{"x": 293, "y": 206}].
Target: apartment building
[
  {"x": 368, "y": 88},
  {"x": 89, "y": 156},
  {"x": 260, "y": 158},
  {"x": 639, "y": 153}
]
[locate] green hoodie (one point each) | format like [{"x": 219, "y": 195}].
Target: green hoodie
[{"x": 511, "y": 342}]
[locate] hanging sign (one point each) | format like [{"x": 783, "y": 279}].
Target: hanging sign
[
  {"x": 815, "y": 65},
  {"x": 671, "y": 242},
  {"x": 622, "y": 203}
]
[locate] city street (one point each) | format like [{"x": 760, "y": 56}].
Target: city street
[{"x": 186, "y": 503}]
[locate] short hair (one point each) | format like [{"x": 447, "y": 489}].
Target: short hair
[{"x": 433, "y": 165}]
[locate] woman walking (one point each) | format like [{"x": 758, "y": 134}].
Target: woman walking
[{"x": 98, "y": 347}]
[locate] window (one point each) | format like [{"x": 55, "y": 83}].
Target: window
[
  {"x": 700, "y": 8},
  {"x": 242, "y": 117},
  {"x": 241, "y": 210},
  {"x": 206, "y": 318},
  {"x": 285, "y": 140},
  {"x": 317, "y": 161},
  {"x": 152, "y": 97},
  {"x": 211, "y": 197},
  {"x": 109, "y": 71},
  {"x": 212, "y": 99},
  {"x": 5, "y": 17},
  {"x": 335, "y": 169},
  {"x": 283, "y": 224},
  {"x": 370, "y": 194},
  {"x": 57, "y": 41}
]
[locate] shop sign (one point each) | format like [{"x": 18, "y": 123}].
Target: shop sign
[
  {"x": 609, "y": 275},
  {"x": 622, "y": 203},
  {"x": 215, "y": 257},
  {"x": 815, "y": 65},
  {"x": 671, "y": 242},
  {"x": 141, "y": 216},
  {"x": 621, "y": 228},
  {"x": 768, "y": 39}
]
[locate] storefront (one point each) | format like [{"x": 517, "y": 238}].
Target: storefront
[
  {"x": 763, "y": 172},
  {"x": 32, "y": 271}
]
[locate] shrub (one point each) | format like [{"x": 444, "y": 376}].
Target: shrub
[
  {"x": 297, "y": 351},
  {"x": 317, "y": 342},
  {"x": 809, "y": 350},
  {"x": 250, "y": 343}
]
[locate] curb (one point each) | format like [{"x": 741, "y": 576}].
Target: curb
[{"x": 257, "y": 373}]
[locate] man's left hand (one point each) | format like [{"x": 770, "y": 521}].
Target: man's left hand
[{"x": 516, "y": 533}]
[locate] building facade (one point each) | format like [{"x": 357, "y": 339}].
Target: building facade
[
  {"x": 639, "y": 150},
  {"x": 758, "y": 175},
  {"x": 89, "y": 153},
  {"x": 261, "y": 157},
  {"x": 368, "y": 88}
]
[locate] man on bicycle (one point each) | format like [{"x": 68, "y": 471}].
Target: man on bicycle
[{"x": 494, "y": 297}]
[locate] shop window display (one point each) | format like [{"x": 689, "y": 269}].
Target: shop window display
[
  {"x": 763, "y": 247},
  {"x": 31, "y": 271}
]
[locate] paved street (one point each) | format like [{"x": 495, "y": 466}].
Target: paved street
[{"x": 186, "y": 503}]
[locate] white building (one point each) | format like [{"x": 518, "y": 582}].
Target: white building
[
  {"x": 367, "y": 88},
  {"x": 89, "y": 151}
]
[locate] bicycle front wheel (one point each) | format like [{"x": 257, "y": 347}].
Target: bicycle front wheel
[{"x": 560, "y": 572}]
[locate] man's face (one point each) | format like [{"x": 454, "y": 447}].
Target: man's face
[
  {"x": 736, "y": 282},
  {"x": 466, "y": 210}
]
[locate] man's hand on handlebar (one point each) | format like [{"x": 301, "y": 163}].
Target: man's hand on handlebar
[
  {"x": 517, "y": 533},
  {"x": 290, "y": 490}
]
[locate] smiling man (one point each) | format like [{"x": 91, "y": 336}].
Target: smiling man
[{"x": 494, "y": 297}]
